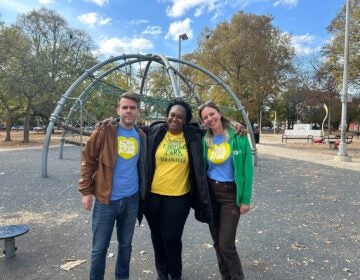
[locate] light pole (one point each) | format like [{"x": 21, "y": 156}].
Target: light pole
[
  {"x": 181, "y": 37},
  {"x": 342, "y": 154}
]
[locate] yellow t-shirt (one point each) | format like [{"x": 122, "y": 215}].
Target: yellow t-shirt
[{"x": 171, "y": 166}]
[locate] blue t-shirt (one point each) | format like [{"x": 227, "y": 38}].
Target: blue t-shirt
[
  {"x": 220, "y": 160},
  {"x": 125, "y": 180}
]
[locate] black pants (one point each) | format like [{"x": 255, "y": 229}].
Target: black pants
[
  {"x": 223, "y": 231},
  {"x": 166, "y": 216}
]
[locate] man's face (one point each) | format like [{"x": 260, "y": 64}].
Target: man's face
[{"x": 128, "y": 112}]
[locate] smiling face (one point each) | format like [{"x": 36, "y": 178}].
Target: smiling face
[
  {"x": 211, "y": 118},
  {"x": 176, "y": 119}
]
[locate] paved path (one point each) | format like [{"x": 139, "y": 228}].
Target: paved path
[
  {"x": 308, "y": 156},
  {"x": 304, "y": 222}
]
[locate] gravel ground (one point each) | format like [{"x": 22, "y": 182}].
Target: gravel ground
[{"x": 304, "y": 222}]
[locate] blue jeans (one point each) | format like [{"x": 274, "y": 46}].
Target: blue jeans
[{"x": 124, "y": 212}]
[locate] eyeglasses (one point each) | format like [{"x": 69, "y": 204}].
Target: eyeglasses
[{"x": 209, "y": 103}]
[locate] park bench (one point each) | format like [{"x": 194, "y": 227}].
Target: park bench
[
  {"x": 305, "y": 137},
  {"x": 8, "y": 233},
  {"x": 356, "y": 133},
  {"x": 334, "y": 140}
]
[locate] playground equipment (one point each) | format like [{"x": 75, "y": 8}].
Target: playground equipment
[
  {"x": 101, "y": 85},
  {"x": 8, "y": 233}
]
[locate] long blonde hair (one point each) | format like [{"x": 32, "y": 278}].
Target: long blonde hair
[{"x": 224, "y": 121}]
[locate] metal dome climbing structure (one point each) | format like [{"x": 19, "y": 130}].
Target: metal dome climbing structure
[{"x": 91, "y": 97}]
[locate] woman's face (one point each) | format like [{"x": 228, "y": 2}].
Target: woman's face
[
  {"x": 211, "y": 118},
  {"x": 176, "y": 119}
]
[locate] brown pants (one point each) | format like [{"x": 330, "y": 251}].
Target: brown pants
[{"x": 223, "y": 231}]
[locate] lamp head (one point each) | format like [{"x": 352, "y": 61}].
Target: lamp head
[{"x": 183, "y": 36}]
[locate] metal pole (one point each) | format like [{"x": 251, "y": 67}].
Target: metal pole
[
  {"x": 181, "y": 37},
  {"x": 342, "y": 154},
  {"x": 260, "y": 123},
  {"x": 329, "y": 118},
  {"x": 275, "y": 122},
  {"x": 178, "y": 77}
]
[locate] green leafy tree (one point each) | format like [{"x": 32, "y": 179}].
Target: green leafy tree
[
  {"x": 160, "y": 89},
  {"x": 251, "y": 55},
  {"x": 58, "y": 55},
  {"x": 334, "y": 50},
  {"x": 13, "y": 55},
  {"x": 287, "y": 103},
  {"x": 334, "y": 57},
  {"x": 103, "y": 101}
]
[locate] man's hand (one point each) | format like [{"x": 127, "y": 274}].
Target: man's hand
[
  {"x": 239, "y": 128},
  {"x": 87, "y": 202}
]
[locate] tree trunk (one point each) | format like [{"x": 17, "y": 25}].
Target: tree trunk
[
  {"x": 8, "y": 127},
  {"x": 27, "y": 120}
]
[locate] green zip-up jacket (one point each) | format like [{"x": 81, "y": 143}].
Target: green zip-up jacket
[{"x": 243, "y": 165}]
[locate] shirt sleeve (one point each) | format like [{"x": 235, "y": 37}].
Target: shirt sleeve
[
  {"x": 248, "y": 173},
  {"x": 90, "y": 156}
]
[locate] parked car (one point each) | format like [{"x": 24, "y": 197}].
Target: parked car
[
  {"x": 19, "y": 127},
  {"x": 38, "y": 128}
]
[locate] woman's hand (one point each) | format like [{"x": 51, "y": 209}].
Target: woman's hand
[
  {"x": 244, "y": 208},
  {"x": 107, "y": 122}
]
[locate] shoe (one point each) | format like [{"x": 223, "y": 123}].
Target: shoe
[{"x": 163, "y": 277}]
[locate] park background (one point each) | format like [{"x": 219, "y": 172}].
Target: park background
[{"x": 304, "y": 223}]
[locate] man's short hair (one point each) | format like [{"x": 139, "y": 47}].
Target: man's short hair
[{"x": 131, "y": 95}]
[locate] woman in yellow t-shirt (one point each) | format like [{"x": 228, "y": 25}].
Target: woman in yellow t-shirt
[{"x": 176, "y": 182}]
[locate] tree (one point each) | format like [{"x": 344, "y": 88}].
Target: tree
[
  {"x": 103, "y": 102},
  {"x": 334, "y": 50},
  {"x": 13, "y": 54},
  {"x": 334, "y": 54},
  {"x": 288, "y": 102},
  {"x": 250, "y": 55},
  {"x": 58, "y": 55},
  {"x": 330, "y": 94}
]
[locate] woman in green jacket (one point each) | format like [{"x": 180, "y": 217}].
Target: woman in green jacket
[{"x": 229, "y": 171}]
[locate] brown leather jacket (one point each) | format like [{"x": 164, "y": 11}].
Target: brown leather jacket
[{"x": 98, "y": 163}]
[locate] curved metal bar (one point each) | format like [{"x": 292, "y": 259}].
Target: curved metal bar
[
  {"x": 150, "y": 58},
  {"x": 233, "y": 96},
  {"x": 171, "y": 73},
  {"x": 61, "y": 104},
  {"x": 145, "y": 76},
  {"x": 190, "y": 87},
  {"x": 83, "y": 95}
]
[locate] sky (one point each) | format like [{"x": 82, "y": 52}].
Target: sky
[{"x": 153, "y": 26}]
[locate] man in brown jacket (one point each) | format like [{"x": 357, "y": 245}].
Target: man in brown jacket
[{"x": 113, "y": 170}]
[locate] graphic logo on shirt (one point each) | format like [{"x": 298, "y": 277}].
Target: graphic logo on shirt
[
  {"x": 173, "y": 151},
  {"x": 218, "y": 154},
  {"x": 127, "y": 147}
]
